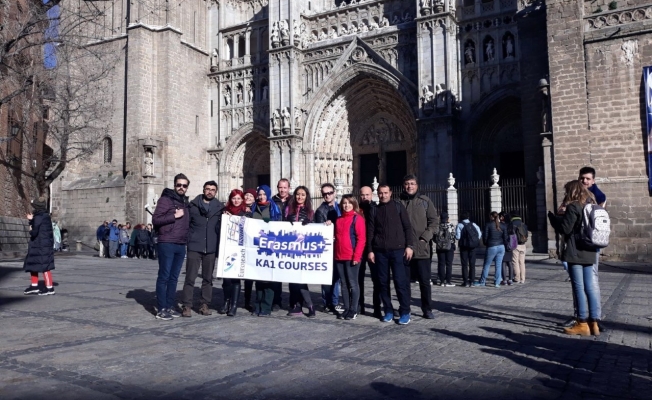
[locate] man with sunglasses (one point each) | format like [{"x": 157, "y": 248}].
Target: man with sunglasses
[
  {"x": 172, "y": 221},
  {"x": 329, "y": 210}
]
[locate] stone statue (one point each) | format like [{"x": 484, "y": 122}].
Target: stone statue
[
  {"x": 427, "y": 96},
  {"x": 214, "y": 58},
  {"x": 149, "y": 163},
  {"x": 407, "y": 17},
  {"x": 250, "y": 91},
  {"x": 353, "y": 30},
  {"x": 298, "y": 116},
  {"x": 227, "y": 96},
  {"x": 285, "y": 117},
  {"x": 265, "y": 92},
  {"x": 276, "y": 120},
  {"x": 509, "y": 47},
  {"x": 363, "y": 28},
  {"x": 349, "y": 175},
  {"x": 343, "y": 32},
  {"x": 489, "y": 50},
  {"x": 238, "y": 94},
  {"x": 274, "y": 37},
  {"x": 469, "y": 53},
  {"x": 396, "y": 19},
  {"x": 296, "y": 30},
  {"x": 440, "y": 96},
  {"x": 333, "y": 33},
  {"x": 285, "y": 31},
  {"x": 227, "y": 52},
  {"x": 322, "y": 36},
  {"x": 384, "y": 22},
  {"x": 373, "y": 25}
]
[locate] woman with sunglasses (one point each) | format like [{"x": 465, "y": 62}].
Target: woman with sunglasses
[
  {"x": 299, "y": 210},
  {"x": 231, "y": 287}
]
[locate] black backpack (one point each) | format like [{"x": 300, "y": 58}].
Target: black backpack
[
  {"x": 469, "y": 237},
  {"x": 443, "y": 238}
]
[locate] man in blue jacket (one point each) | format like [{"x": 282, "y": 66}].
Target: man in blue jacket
[
  {"x": 99, "y": 234},
  {"x": 114, "y": 237}
]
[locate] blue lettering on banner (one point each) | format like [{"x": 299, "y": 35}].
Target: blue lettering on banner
[
  {"x": 292, "y": 244},
  {"x": 264, "y": 263}
]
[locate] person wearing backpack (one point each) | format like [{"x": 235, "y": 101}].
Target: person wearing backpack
[
  {"x": 510, "y": 245},
  {"x": 518, "y": 256},
  {"x": 468, "y": 236},
  {"x": 445, "y": 248},
  {"x": 495, "y": 236},
  {"x": 580, "y": 259}
]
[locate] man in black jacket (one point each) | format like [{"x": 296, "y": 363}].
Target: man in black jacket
[
  {"x": 205, "y": 216},
  {"x": 329, "y": 211},
  {"x": 366, "y": 204},
  {"x": 390, "y": 247}
]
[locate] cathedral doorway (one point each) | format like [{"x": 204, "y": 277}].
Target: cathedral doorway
[
  {"x": 367, "y": 131},
  {"x": 246, "y": 160}
]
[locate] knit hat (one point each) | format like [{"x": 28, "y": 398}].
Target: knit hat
[
  {"x": 251, "y": 192},
  {"x": 40, "y": 203}
]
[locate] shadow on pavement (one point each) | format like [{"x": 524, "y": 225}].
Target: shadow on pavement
[
  {"x": 6, "y": 300},
  {"x": 581, "y": 366},
  {"x": 145, "y": 298}
]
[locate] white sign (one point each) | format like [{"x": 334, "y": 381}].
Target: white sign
[{"x": 275, "y": 251}]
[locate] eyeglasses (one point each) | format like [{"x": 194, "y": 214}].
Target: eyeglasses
[
  {"x": 324, "y": 194},
  {"x": 185, "y": 186}
]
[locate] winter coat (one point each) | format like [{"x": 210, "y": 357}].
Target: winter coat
[
  {"x": 303, "y": 216},
  {"x": 260, "y": 212},
  {"x": 100, "y": 232},
  {"x": 327, "y": 213},
  {"x": 389, "y": 228},
  {"x": 142, "y": 239},
  {"x": 280, "y": 203},
  {"x": 170, "y": 229},
  {"x": 124, "y": 236},
  {"x": 570, "y": 225},
  {"x": 344, "y": 250},
  {"x": 492, "y": 236},
  {"x": 423, "y": 219},
  {"x": 114, "y": 233},
  {"x": 203, "y": 236},
  {"x": 40, "y": 251}
]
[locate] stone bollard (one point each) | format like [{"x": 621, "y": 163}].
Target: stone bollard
[{"x": 79, "y": 245}]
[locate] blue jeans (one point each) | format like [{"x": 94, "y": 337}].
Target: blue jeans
[
  {"x": 123, "y": 249},
  {"x": 330, "y": 294},
  {"x": 493, "y": 253},
  {"x": 393, "y": 259},
  {"x": 170, "y": 260},
  {"x": 586, "y": 290}
]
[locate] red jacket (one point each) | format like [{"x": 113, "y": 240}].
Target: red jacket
[{"x": 344, "y": 250}]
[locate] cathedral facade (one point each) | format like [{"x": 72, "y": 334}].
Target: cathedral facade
[{"x": 250, "y": 91}]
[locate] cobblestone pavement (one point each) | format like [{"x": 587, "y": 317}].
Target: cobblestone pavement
[{"x": 98, "y": 339}]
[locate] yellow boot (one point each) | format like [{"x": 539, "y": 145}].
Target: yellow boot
[
  {"x": 593, "y": 327},
  {"x": 580, "y": 328}
]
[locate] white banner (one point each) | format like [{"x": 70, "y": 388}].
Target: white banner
[{"x": 275, "y": 251}]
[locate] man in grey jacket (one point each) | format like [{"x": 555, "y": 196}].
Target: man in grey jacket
[
  {"x": 205, "y": 217},
  {"x": 423, "y": 218}
]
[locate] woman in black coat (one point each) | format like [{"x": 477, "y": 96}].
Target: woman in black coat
[{"x": 40, "y": 253}]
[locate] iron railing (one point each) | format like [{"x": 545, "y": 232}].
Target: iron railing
[{"x": 473, "y": 197}]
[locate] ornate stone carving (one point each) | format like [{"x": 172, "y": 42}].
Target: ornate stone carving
[
  {"x": 469, "y": 52},
  {"x": 630, "y": 50},
  {"x": 284, "y": 30},
  {"x": 427, "y": 98},
  {"x": 274, "y": 37},
  {"x": 148, "y": 163},
  {"x": 286, "y": 119},
  {"x": 494, "y": 178},
  {"x": 276, "y": 121},
  {"x": 227, "y": 95}
]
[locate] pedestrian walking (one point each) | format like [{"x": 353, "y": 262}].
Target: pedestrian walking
[
  {"x": 510, "y": 245},
  {"x": 468, "y": 237},
  {"x": 57, "y": 236},
  {"x": 444, "y": 243},
  {"x": 124, "y": 241},
  {"x": 40, "y": 250},
  {"x": 518, "y": 254}
]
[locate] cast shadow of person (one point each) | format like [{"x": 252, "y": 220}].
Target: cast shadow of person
[{"x": 570, "y": 365}]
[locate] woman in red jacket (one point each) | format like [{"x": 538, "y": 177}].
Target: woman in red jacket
[{"x": 350, "y": 238}]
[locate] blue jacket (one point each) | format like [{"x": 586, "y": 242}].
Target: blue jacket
[
  {"x": 114, "y": 233},
  {"x": 100, "y": 232}
]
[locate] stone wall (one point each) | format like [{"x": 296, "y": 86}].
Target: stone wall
[
  {"x": 598, "y": 117},
  {"x": 14, "y": 235}
]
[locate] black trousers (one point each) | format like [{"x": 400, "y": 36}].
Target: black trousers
[
  {"x": 264, "y": 297},
  {"x": 277, "y": 287},
  {"x": 105, "y": 243},
  {"x": 207, "y": 263},
  {"x": 248, "y": 286},
  {"x": 142, "y": 250},
  {"x": 445, "y": 264},
  {"x": 423, "y": 269},
  {"x": 299, "y": 292},
  {"x": 467, "y": 257}
]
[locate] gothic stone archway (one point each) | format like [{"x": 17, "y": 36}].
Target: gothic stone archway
[{"x": 246, "y": 161}]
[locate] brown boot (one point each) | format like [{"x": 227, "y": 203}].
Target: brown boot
[
  {"x": 594, "y": 328},
  {"x": 186, "y": 312},
  {"x": 204, "y": 310},
  {"x": 580, "y": 328}
]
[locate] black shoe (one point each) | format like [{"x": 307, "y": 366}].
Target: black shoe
[
  {"x": 46, "y": 291},
  {"x": 173, "y": 313},
  {"x": 311, "y": 312},
  {"x": 32, "y": 290},
  {"x": 569, "y": 323},
  {"x": 225, "y": 307},
  {"x": 361, "y": 311},
  {"x": 264, "y": 314},
  {"x": 377, "y": 314},
  {"x": 351, "y": 315},
  {"x": 342, "y": 315},
  {"x": 428, "y": 315},
  {"x": 295, "y": 311},
  {"x": 329, "y": 309}
]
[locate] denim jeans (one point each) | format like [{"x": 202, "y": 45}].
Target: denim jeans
[
  {"x": 586, "y": 290},
  {"x": 123, "y": 249},
  {"x": 330, "y": 294},
  {"x": 493, "y": 253},
  {"x": 170, "y": 260},
  {"x": 393, "y": 259}
]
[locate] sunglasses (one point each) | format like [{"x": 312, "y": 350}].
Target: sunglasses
[
  {"x": 324, "y": 194},
  {"x": 185, "y": 186}
]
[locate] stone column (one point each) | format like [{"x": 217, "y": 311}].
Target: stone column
[
  {"x": 549, "y": 185},
  {"x": 495, "y": 194},
  {"x": 451, "y": 198},
  {"x": 247, "y": 55},
  {"x": 540, "y": 238},
  {"x": 236, "y": 46}
]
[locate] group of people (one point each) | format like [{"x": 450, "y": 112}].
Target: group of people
[
  {"x": 396, "y": 239},
  {"x": 119, "y": 240}
]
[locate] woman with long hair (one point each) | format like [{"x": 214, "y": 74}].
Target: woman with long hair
[
  {"x": 494, "y": 237},
  {"x": 508, "y": 266},
  {"x": 231, "y": 287},
  {"x": 299, "y": 209},
  {"x": 580, "y": 259},
  {"x": 249, "y": 200},
  {"x": 264, "y": 209},
  {"x": 350, "y": 239}
]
